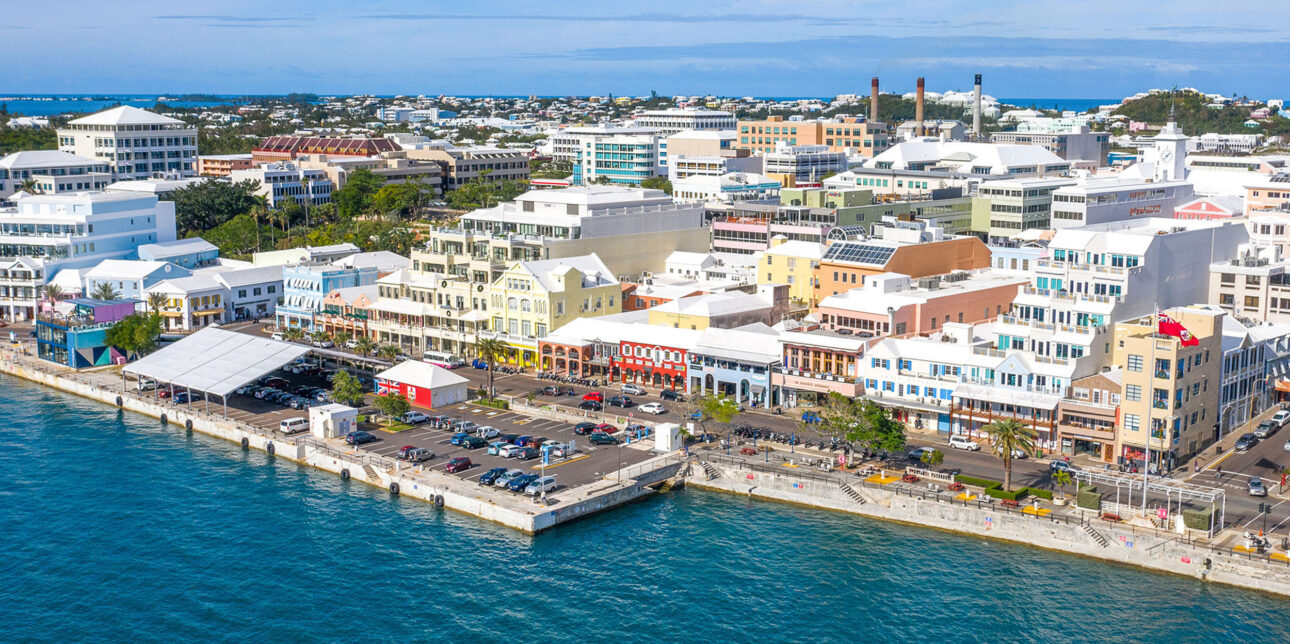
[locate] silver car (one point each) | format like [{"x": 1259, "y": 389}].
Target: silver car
[{"x": 508, "y": 476}]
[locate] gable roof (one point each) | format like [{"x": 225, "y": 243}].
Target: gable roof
[
  {"x": 134, "y": 269},
  {"x": 126, "y": 115},
  {"x": 594, "y": 272},
  {"x": 35, "y": 159},
  {"x": 421, "y": 374}
]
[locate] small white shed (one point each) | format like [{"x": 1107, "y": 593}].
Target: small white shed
[{"x": 332, "y": 421}]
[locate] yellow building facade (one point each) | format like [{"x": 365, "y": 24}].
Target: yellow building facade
[{"x": 531, "y": 299}]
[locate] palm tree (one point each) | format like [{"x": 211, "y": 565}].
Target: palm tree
[
  {"x": 1061, "y": 478},
  {"x": 388, "y": 351},
  {"x": 306, "y": 197},
  {"x": 156, "y": 300},
  {"x": 488, "y": 349},
  {"x": 53, "y": 292},
  {"x": 30, "y": 187},
  {"x": 293, "y": 333},
  {"x": 364, "y": 345},
  {"x": 104, "y": 291},
  {"x": 341, "y": 337},
  {"x": 1010, "y": 435},
  {"x": 319, "y": 336},
  {"x": 259, "y": 208}
]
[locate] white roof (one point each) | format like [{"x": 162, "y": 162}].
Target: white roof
[
  {"x": 421, "y": 374},
  {"x": 244, "y": 276},
  {"x": 154, "y": 186},
  {"x": 797, "y": 248},
  {"x": 216, "y": 361},
  {"x": 714, "y": 304},
  {"x": 381, "y": 260},
  {"x": 35, "y": 159},
  {"x": 178, "y": 247},
  {"x": 594, "y": 272},
  {"x": 186, "y": 285},
  {"x": 126, "y": 115},
  {"x": 751, "y": 343},
  {"x": 133, "y": 269},
  {"x": 963, "y": 156}
]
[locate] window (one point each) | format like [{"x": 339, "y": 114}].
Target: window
[
  {"x": 1132, "y": 422},
  {"x": 1133, "y": 393},
  {"x": 1251, "y": 301},
  {"x": 1135, "y": 363}
]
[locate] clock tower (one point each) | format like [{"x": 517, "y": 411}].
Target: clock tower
[{"x": 1170, "y": 152}]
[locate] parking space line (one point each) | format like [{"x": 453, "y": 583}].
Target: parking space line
[{"x": 565, "y": 462}]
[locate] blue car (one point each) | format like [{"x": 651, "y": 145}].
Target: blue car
[
  {"x": 457, "y": 438},
  {"x": 489, "y": 477},
  {"x": 518, "y": 483},
  {"x": 478, "y": 364}
]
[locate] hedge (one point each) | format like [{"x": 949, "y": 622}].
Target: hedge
[
  {"x": 995, "y": 489},
  {"x": 1043, "y": 494},
  {"x": 1000, "y": 493},
  {"x": 1088, "y": 498},
  {"x": 496, "y": 403},
  {"x": 972, "y": 480},
  {"x": 1198, "y": 519}
]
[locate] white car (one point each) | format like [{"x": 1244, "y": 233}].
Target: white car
[
  {"x": 561, "y": 450},
  {"x": 507, "y": 451},
  {"x": 279, "y": 337},
  {"x": 1281, "y": 418},
  {"x": 322, "y": 344},
  {"x": 632, "y": 390},
  {"x": 963, "y": 442},
  {"x": 540, "y": 485},
  {"x": 351, "y": 343},
  {"x": 488, "y": 431},
  {"x": 653, "y": 408},
  {"x": 415, "y": 417}
]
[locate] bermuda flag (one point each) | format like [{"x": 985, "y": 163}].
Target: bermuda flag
[{"x": 1170, "y": 326}]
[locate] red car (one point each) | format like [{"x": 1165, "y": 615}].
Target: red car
[
  {"x": 163, "y": 393},
  {"x": 596, "y": 396},
  {"x": 403, "y": 451},
  {"x": 459, "y": 464},
  {"x": 606, "y": 428}
]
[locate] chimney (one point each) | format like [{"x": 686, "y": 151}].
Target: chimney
[
  {"x": 873, "y": 100},
  {"x": 976, "y": 108},
  {"x": 918, "y": 108}
]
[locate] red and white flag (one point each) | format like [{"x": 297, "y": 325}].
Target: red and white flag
[{"x": 1170, "y": 326}]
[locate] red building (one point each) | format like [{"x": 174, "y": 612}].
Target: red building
[
  {"x": 652, "y": 364},
  {"x": 423, "y": 384},
  {"x": 286, "y": 148}
]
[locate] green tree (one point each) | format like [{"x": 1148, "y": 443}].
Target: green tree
[
  {"x": 355, "y": 199},
  {"x": 488, "y": 350},
  {"x": 658, "y": 183},
  {"x": 339, "y": 338},
  {"x": 392, "y": 405},
  {"x": 156, "y": 300},
  {"x": 346, "y": 389},
  {"x": 364, "y": 345},
  {"x": 932, "y": 458},
  {"x": 720, "y": 409},
  {"x": 319, "y": 336},
  {"x": 388, "y": 351},
  {"x": 237, "y": 238},
  {"x": 1061, "y": 478},
  {"x": 104, "y": 291},
  {"x": 293, "y": 333},
  {"x": 136, "y": 333},
  {"x": 207, "y": 204},
  {"x": 17, "y": 139},
  {"x": 52, "y": 292},
  {"x": 29, "y": 186},
  {"x": 1010, "y": 435}
]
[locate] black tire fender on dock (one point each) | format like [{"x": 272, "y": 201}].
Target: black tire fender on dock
[
  {"x": 344, "y": 475},
  {"x": 188, "y": 425},
  {"x": 269, "y": 448},
  {"x": 394, "y": 488},
  {"x": 119, "y": 401},
  {"x": 164, "y": 420},
  {"x": 246, "y": 443},
  {"x": 438, "y": 501}
]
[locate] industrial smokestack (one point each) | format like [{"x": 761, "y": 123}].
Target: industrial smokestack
[
  {"x": 873, "y": 100},
  {"x": 976, "y": 108},
  {"x": 918, "y": 108}
]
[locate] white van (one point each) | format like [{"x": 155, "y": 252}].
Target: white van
[
  {"x": 963, "y": 442},
  {"x": 293, "y": 425}
]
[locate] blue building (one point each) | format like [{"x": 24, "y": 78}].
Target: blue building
[
  {"x": 190, "y": 253},
  {"x": 75, "y": 334},
  {"x": 305, "y": 285},
  {"x": 131, "y": 278},
  {"x": 736, "y": 363}
]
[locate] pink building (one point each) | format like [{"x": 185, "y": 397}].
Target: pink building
[
  {"x": 923, "y": 306},
  {"x": 1211, "y": 208}
]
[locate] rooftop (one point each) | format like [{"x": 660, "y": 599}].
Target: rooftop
[
  {"x": 37, "y": 159},
  {"x": 125, "y": 115}
]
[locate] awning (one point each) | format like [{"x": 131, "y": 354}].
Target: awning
[
  {"x": 216, "y": 361},
  {"x": 1282, "y": 385},
  {"x": 208, "y": 313}
]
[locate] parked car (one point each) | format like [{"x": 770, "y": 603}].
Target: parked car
[
  {"x": 1018, "y": 454},
  {"x": 487, "y": 431},
  {"x": 633, "y": 429},
  {"x": 518, "y": 483},
  {"x": 566, "y": 391},
  {"x": 601, "y": 438},
  {"x": 473, "y": 442},
  {"x": 464, "y": 426},
  {"x": 418, "y": 455},
  {"x": 540, "y": 485},
  {"x": 1266, "y": 429},
  {"x": 494, "y": 448},
  {"x": 1245, "y": 442},
  {"x": 508, "y": 438},
  {"x": 403, "y": 451},
  {"x": 653, "y": 408},
  {"x": 291, "y": 426},
  {"x": 606, "y": 428},
  {"x": 584, "y": 428},
  {"x": 506, "y": 477},
  {"x": 490, "y": 477},
  {"x": 590, "y": 405},
  {"x": 549, "y": 391},
  {"x": 1281, "y": 418},
  {"x": 322, "y": 344},
  {"x": 519, "y": 440},
  {"x": 620, "y": 401},
  {"x": 669, "y": 394},
  {"x": 561, "y": 450},
  {"x": 415, "y": 418},
  {"x": 963, "y": 442},
  {"x": 525, "y": 453},
  {"x": 532, "y": 441},
  {"x": 508, "y": 451},
  {"x": 459, "y": 464},
  {"x": 916, "y": 454},
  {"x": 594, "y": 395},
  {"x": 279, "y": 337},
  {"x": 1256, "y": 487},
  {"x": 359, "y": 438},
  {"x": 1286, "y": 447},
  {"x": 634, "y": 390},
  {"x": 457, "y": 438},
  {"x": 440, "y": 422}
]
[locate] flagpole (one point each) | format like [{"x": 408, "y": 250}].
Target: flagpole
[{"x": 1151, "y": 373}]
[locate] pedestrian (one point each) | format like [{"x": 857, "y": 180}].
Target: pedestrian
[{"x": 1219, "y": 469}]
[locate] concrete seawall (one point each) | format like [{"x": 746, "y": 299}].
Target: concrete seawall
[
  {"x": 438, "y": 488},
  {"x": 1155, "y": 550}
]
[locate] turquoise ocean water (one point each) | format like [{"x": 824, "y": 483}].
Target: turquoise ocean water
[{"x": 116, "y": 528}]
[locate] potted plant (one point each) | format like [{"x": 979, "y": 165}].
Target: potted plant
[{"x": 1062, "y": 478}]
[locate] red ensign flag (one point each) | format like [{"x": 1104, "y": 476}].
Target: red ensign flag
[{"x": 1170, "y": 326}]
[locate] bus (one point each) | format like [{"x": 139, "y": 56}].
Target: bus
[{"x": 441, "y": 359}]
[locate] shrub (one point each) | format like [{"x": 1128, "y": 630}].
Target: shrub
[
  {"x": 1198, "y": 519},
  {"x": 998, "y": 493},
  {"x": 496, "y": 403},
  {"x": 1043, "y": 494},
  {"x": 972, "y": 480},
  {"x": 1088, "y": 498}
]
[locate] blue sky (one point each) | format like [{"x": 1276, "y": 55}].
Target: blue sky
[{"x": 1031, "y": 49}]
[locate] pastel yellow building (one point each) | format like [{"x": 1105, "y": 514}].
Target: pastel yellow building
[
  {"x": 531, "y": 299},
  {"x": 793, "y": 263}
]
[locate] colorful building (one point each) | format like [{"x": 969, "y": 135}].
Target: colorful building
[
  {"x": 74, "y": 334},
  {"x": 531, "y": 299},
  {"x": 793, "y": 263}
]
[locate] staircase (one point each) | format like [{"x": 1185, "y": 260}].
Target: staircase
[
  {"x": 1095, "y": 535},
  {"x": 851, "y": 492},
  {"x": 371, "y": 473},
  {"x": 712, "y": 471}
]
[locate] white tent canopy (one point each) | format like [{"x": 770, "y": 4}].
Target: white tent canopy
[{"x": 215, "y": 361}]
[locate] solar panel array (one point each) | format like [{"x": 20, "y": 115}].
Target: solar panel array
[
  {"x": 871, "y": 254},
  {"x": 215, "y": 361}
]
